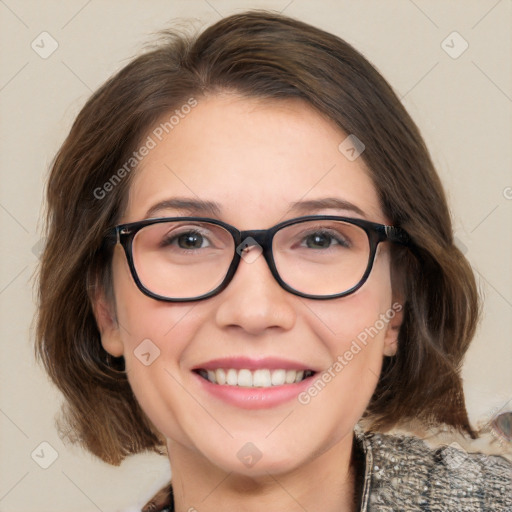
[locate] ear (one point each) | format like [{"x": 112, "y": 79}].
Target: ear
[
  {"x": 104, "y": 312},
  {"x": 393, "y": 328}
]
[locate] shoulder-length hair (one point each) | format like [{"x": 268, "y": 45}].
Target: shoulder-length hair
[{"x": 258, "y": 55}]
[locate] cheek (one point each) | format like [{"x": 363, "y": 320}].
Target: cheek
[
  {"x": 353, "y": 330},
  {"x": 153, "y": 331},
  {"x": 155, "y": 337},
  {"x": 142, "y": 318},
  {"x": 359, "y": 315},
  {"x": 353, "y": 334},
  {"x": 156, "y": 342}
]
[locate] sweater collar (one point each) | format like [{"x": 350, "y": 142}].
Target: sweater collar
[{"x": 365, "y": 447}]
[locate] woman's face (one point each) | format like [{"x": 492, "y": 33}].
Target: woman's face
[{"x": 254, "y": 159}]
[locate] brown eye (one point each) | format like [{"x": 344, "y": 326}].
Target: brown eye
[
  {"x": 187, "y": 240},
  {"x": 324, "y": 240}
]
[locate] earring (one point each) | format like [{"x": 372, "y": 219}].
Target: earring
[{"x": 116, "y": 364}]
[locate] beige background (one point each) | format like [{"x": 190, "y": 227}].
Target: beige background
[{"x": 463, "y": 106}]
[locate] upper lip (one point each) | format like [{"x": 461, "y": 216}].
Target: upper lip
[{"x": 239, "y": 363}]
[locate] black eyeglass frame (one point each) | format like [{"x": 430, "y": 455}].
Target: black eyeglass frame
[{"x": 124, "y": 234}]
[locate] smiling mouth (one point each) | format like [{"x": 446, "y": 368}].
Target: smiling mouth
[{"x": 261, "y": 378}]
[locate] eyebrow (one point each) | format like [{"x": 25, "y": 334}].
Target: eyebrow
[
  {"x": 198, "y": 206},
  {"x": 190, "y": 206},
  {"x": 301, "y": 207}
]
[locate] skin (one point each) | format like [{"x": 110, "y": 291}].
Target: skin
[{"x": 253, "y": 157}]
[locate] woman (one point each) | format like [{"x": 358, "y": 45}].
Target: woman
[{"x": 250, "y": 267}]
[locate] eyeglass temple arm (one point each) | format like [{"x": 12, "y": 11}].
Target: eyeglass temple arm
[
  {"x": 112, "y": 236},
  {"x": 397, "y": 235}
]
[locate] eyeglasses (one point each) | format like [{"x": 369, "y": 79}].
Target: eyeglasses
[{"x": 179, "y": 259}]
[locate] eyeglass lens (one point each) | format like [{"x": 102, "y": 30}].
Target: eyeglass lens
[{"x": 186, "y": 259}]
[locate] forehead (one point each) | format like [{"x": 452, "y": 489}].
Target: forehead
[{"x": 253, "y": 158}]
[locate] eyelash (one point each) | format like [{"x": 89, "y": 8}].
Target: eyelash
[{"x": 169, "y": 240}]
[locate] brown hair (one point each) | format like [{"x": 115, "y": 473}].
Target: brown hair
[{"x": 268, "y": 56}]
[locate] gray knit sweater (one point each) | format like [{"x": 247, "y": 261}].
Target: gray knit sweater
[{"x": 402, "y": 473}]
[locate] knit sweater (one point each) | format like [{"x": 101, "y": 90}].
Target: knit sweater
[{"x": 402, "y": 473}]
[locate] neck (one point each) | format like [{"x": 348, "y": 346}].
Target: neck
[{"x": 328, "y": 480}]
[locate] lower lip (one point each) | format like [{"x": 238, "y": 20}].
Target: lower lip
[{"x": 255, "y": 398}]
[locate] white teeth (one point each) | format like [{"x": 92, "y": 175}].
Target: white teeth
[
  {"x": 232, "y": 377},
  {"x": 290, "y": 376},
  {"x": 278, "y": 377},
  {"x": 220, "y": 376},
  {"x": 261, "y": 378},
  {"x": 245, "y": 378}
]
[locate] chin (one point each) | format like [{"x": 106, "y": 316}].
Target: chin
[
  {"x": 263, "y": 467},
  {"x": 257, "y": 459}
]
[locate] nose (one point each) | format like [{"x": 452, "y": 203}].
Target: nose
[{"x": 254, "y": 301}]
